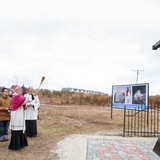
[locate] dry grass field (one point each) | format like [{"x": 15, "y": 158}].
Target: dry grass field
[{"x": 58, "y": 121}]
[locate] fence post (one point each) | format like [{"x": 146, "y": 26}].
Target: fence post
[{"x": 124, "y": 122}]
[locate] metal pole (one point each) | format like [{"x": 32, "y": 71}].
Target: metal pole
[
  {"x": 137, "y": 73},
  {"x": 16, "y": 80}
]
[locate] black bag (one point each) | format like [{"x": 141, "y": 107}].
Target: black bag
[{"x": 156, "y": 148}]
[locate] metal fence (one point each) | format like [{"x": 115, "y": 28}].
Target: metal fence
[{"x": 142, "y": 123}]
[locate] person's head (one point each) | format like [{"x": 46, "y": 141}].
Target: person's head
[
  {"x": 4, "y": 92},
  {"x": 18, "y": 89},
  {"x": 127, "y": 88},
  {"x": 10, "y": 92},
  {"x": 30, "y": 90}
]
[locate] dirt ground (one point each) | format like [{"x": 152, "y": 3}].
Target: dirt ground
[{"x": 58, "y": 121}]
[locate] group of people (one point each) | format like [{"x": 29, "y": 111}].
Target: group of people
[{"x": 19, "y": 112}]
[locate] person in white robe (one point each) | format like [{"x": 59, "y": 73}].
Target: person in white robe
[{"x": 33, "y": 105}]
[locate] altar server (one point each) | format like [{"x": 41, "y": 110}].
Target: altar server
[{"x": 33, "y": 105}]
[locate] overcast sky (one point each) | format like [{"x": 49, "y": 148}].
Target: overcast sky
[{"x": 86, "y": 44}]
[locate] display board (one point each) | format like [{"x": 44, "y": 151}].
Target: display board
[{"x": 131, "y": 96}]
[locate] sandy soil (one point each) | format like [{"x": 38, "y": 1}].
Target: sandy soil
[{"x": 57, "y": 122}]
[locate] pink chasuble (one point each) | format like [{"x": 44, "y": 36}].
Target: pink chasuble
[{"x": 17, "y": 101}]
